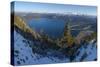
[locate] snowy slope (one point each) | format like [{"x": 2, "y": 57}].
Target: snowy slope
[{"x": 23, "y": 53}]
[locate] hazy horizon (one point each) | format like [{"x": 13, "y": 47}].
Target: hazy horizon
[{"x": 35, "y": 7}]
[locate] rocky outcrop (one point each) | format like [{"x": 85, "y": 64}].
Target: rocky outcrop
[
  {"x": 20, "y": 24},
  {"x": 85, "y": 36}
]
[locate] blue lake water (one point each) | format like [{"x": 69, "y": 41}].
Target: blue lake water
[{"x": 52, "y": 27}]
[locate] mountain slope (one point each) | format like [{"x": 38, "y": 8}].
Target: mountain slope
[
  {"x": 20, "y": 24},
  {"x": 24, "y": 55},
  {"x": 28, "y": 48}
]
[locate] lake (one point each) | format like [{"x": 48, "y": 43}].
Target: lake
[{"x": 52, "y": 27}]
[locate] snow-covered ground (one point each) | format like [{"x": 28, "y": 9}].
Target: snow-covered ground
[{"x": 24, "y": 56}]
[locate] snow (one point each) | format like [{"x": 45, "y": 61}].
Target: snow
[
  {"x": 90, "y": 50},
  {"x": 23, "y": 54}
]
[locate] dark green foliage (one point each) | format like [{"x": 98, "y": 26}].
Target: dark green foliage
[
  {"x": 18, "y": 62},
  {"x": 26, "y": 58},
  {"x": 78, "y": 52},
  {"x": 16, "y": 51},
  {"x": 16, "y": 55},
  {"x": 83, "y": 57},
  {"x": 23, "y": 60}
]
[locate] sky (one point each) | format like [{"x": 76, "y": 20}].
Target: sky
[{"x": 54, "y": 8}]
